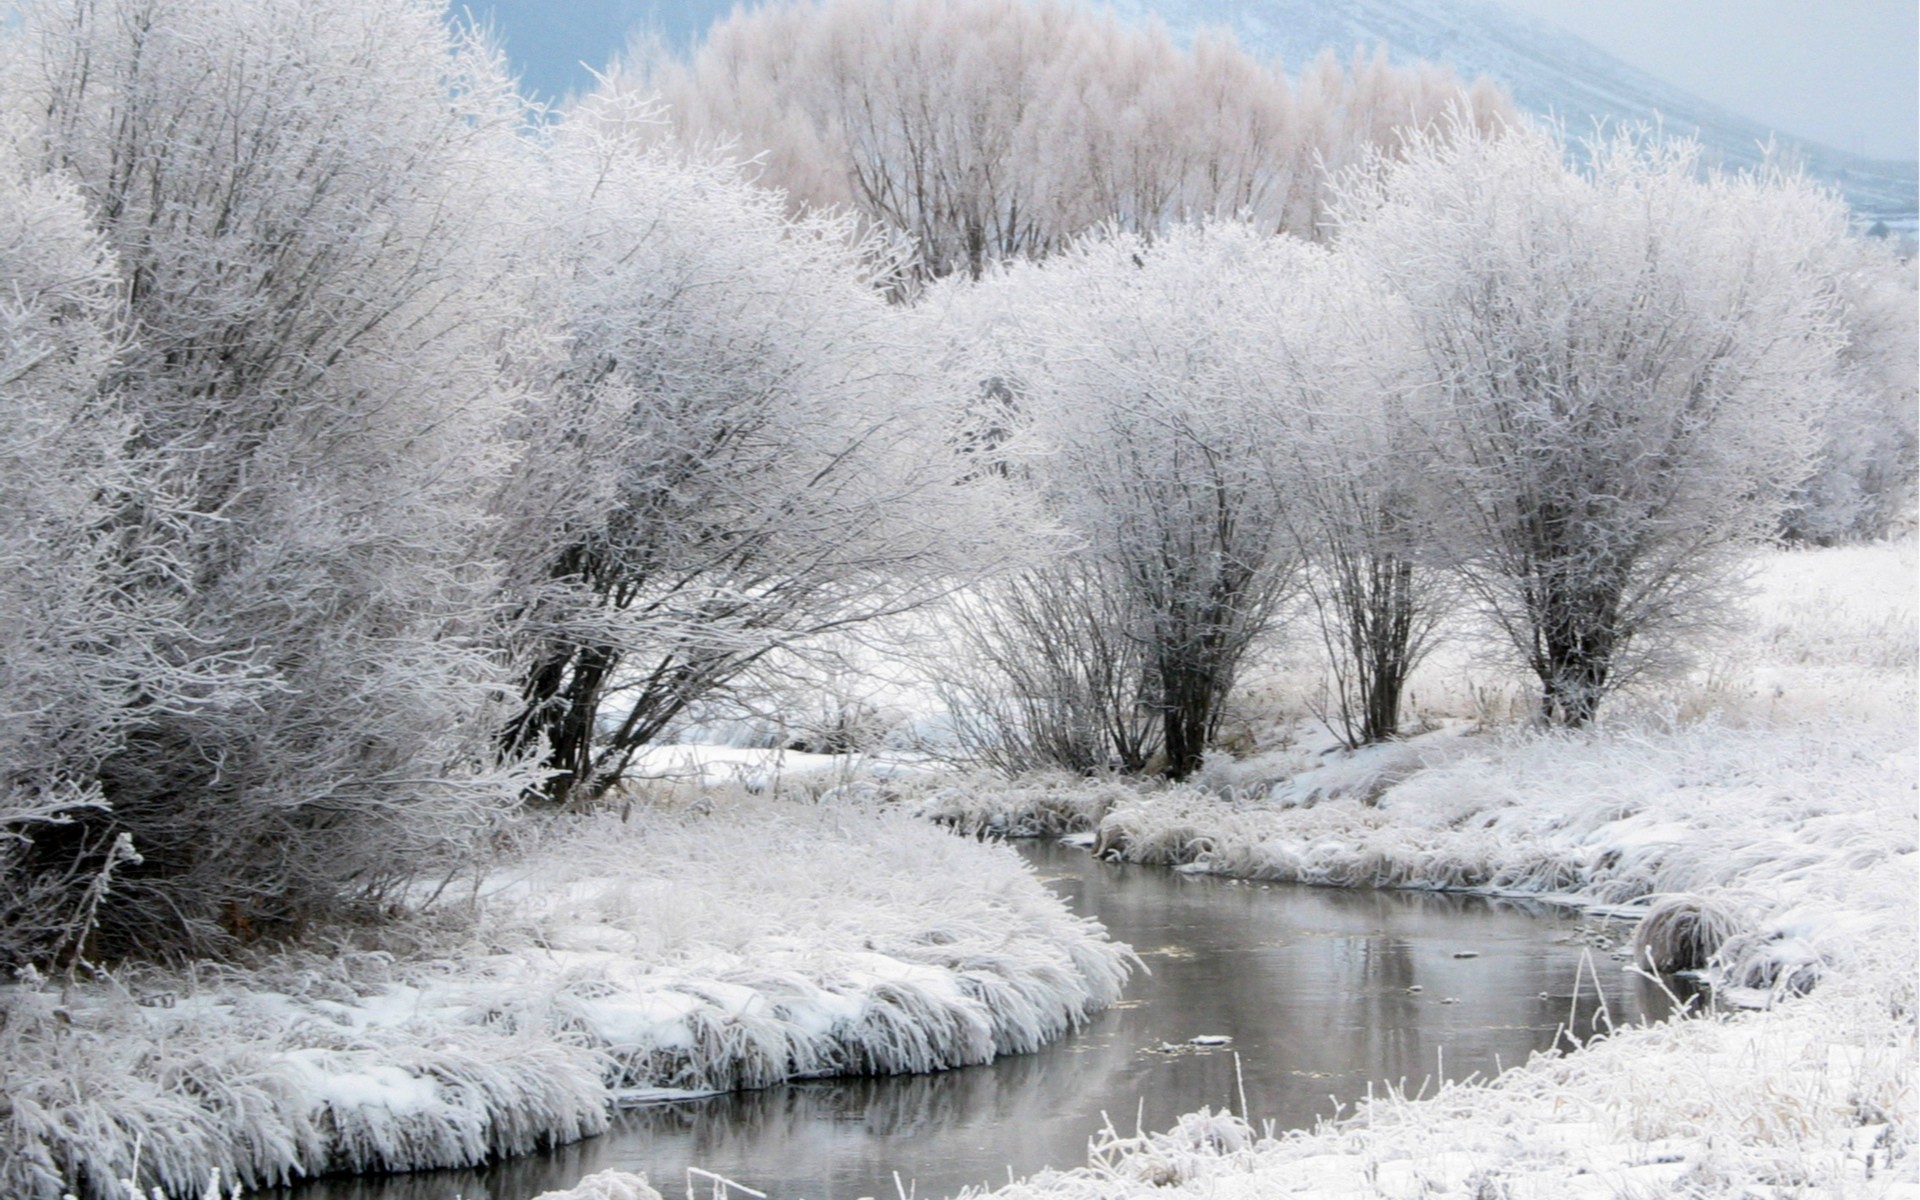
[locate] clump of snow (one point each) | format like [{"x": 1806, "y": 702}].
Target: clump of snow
[
  {"x": 606, "y": 1185},
  {"x": 698, "y": 949}
]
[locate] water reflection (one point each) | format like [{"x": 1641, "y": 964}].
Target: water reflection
[{"x": 1323, "y": 992}]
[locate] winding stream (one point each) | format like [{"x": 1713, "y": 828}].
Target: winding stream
[{"x": 1322, "y": 991}]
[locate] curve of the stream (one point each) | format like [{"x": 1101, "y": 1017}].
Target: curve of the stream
[{"x": 1323, "y": 992}]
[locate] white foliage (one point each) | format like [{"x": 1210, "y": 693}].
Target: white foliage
[
  {"x": 738, "y": 450},
  {"x": 1625, "y": 372},
  {"x": 1148, "y": 418},
  {"x": 985, "y": 130},
  {"x": 296, "y": 198},
  {"x": 74, "y": 647},
  {"x": 1863, "y": 483}
]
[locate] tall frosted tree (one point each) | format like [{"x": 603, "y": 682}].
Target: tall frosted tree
[
  {"x": 1149, "y": 422},
  {"x": 1345, "y": 371},
  {"x": 295, "y": 196},
  {"x": 1624, "y": 369},
  {"x": 731, "y": 398}
]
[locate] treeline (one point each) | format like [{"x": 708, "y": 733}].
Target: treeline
[
  {"x": 366, "y": 442},
  {"x": 1567, "y": 403},
  {"x": 993, "y": 130},
  {"x": 380, "y": 459}
]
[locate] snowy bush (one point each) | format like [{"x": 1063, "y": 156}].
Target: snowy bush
[
  {"x": 731, "y": 457},
  {"x": 76, "y": 647},
  {"x": 1147, "y": 424},
  {"x": 297, "y": 199},
  {"x": 1625, "y": 373},
  {"x": 1029, "y": 805}
]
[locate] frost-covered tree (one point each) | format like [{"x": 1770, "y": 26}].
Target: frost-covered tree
[
  {"x": 985, "y": 130},
  {"x": 1150, "y": 421},
  {"x": 1346, "y": 370},
  {"x": 731, "y": 391},
  {"x": 1047, "y": 672},
  {"x": 1863, "y": 483},
  {"x": 295, "y": 195},
  {"x": 71, "y": 652},
  {"x": 1625, "y": 368}
]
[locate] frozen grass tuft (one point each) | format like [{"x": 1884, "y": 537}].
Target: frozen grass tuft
[
  {"x": 1685, "y": 933},
  {"x": 1043, "y": 804},
  {"x": 718, "y": 946}
]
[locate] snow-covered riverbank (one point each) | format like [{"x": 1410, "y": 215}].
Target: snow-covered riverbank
[
  {"x": 1764, "y": 814},
  {"x": 701, "y": 948},
  {"x": 1791, "y": 853}
]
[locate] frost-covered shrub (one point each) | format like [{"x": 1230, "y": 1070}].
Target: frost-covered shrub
[
  {"x": 1146, "y": 430},
  {"x": 1625, "y": 369},
  {"x": 73, "y": 653},
  {"x": 298, "y": 198},
  {"x": 733, "y": 455},
  {"x": 1862, "y": 485},
  {"x": 1035, "y": 805}
]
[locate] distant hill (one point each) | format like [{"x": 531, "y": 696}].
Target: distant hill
[{"x": 1548, "y": 70}]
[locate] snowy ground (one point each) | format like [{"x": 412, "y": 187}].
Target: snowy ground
[
  {"x": 725, "y": 944},
  {"x": 1763, "y": 811}
]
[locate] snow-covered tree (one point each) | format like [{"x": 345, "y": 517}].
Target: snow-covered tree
[
  {"x": 1346, "y": 370},
  {"x": 1863, "y": 483},
  {"x": 985, "y": 130},
  {"x": 1625, "y": 370},
  {"x": 765, "y": 465},
  {"x": 71, "y": 650},
  {"x": 295, "y": 194},
  {"x": 1150, "y": 425}
]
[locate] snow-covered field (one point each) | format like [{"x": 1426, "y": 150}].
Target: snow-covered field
[
  {"x": 1763, "y": 813},
  {"x": 725, "y": 944}
]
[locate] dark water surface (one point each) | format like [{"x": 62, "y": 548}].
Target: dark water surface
[{"x": 1323, "y": 991}]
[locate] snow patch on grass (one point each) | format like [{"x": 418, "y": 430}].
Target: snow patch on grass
[{"x": 700, "y": 949}]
